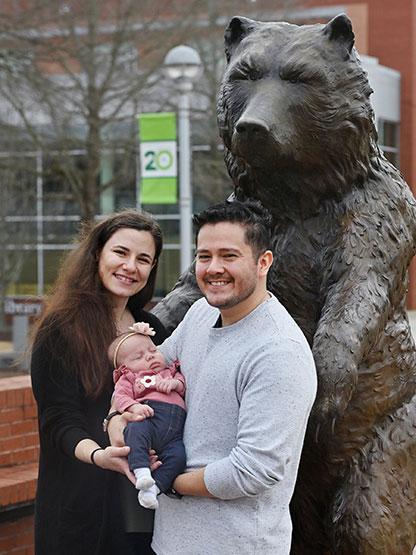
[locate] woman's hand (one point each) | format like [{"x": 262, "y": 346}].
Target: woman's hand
[
  {"x": 140, "y": 411},
  {"x": 114, "y": 458},
  {"x": 110, "y": 458},
  {"x": 115, "y": 430},
  {"x": 117, "y": 424}
]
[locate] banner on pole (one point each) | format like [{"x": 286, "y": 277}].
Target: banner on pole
[{"x": 158, "y": 160}]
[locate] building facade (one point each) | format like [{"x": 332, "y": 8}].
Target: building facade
[{"x": 386, "y": 31}]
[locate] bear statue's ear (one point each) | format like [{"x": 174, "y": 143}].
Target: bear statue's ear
[
  {"x": 238, "y": 28},
  {"x": 340, "y": 29}
]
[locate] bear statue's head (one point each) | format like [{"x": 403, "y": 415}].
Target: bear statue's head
[{"x": 294, "y": 110}]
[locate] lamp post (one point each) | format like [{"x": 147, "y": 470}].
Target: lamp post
[{"x": 182, "y": 64}]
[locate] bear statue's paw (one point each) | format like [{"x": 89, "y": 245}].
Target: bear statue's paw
[
  {"x": 326, "y": 412},
  {"x": 337, "y": 384}
]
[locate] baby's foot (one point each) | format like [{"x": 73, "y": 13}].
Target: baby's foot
[
  {"x": 144, "y": 479},
  {"x": 148, "y": 498}
]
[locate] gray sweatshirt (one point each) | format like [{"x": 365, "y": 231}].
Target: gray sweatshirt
[{"x": 250, "y": 388}]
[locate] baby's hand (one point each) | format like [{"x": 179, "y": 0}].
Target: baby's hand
[
  {"x": 167, "y": 385},
  {"x": 140, "y": 411}
]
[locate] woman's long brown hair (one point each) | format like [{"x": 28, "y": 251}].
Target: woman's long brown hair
[{"x": 79, "y": 306}]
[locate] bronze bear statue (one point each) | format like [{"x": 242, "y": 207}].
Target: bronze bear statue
[{"x": 299, "y": 135}]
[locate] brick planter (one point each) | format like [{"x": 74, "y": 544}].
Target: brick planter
[{"x": 19, "y": 452}]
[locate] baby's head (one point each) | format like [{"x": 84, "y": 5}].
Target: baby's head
[{"x": 136, "y": 351}]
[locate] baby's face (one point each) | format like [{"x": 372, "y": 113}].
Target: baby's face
[{"x": 139, "y": 353}]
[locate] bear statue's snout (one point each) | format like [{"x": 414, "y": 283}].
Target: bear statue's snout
[
  {"x": 253, "y": 139},
  {"x": 252, "y": 129}
]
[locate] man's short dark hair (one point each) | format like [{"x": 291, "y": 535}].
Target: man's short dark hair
[{"x": 252, "y": 215}]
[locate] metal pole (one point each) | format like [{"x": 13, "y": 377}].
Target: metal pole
[
  {"x": 39, "y": 222},
  {"x": 185, "y": 191}
]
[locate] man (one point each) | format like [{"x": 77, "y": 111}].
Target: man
[{"x": 250, "y": 386}]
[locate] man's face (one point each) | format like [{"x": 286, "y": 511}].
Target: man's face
[{"x": 226, "y": 271}]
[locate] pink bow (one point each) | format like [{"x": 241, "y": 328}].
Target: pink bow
[{"x": 142, "y": 328}]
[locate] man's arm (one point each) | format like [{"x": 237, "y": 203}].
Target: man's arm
[
  {"x": 192, "y": 483},
  {"x": 275, "y": 393}
]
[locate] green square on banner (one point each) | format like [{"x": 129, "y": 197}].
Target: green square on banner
[
  {"x": 160, "y": 190},
  {"x": 157, "y": 126},
  {"x": 158, "y": 158}
]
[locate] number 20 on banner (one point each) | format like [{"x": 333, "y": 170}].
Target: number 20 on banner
[{"x": 158, "y": 159}]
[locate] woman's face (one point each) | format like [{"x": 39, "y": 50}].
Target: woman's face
[{"x": 125, "y": 262}]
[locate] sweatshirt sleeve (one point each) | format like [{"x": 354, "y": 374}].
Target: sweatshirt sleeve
[
  {"x": 170, "y": 347},
  {"x": 276, "y": 395},
  {"x": 58, "y": 394}
]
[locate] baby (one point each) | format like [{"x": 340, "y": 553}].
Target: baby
[{"x": 145, "y": 385}]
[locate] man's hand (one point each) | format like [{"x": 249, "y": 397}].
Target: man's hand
[
  {"x": 154, "y": 461},
  {"x": 166, "y": 385}
]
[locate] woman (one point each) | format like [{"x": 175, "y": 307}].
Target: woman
[{"x": 101, "y": 290}]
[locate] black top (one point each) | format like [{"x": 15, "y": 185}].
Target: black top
[{"x": 78, "y": 509}]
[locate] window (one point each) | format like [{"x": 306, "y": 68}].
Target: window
[
  {"x": 58, "y": 197},
  {"x": 388, "y": 140}
]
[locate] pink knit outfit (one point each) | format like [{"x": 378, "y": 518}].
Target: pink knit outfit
[{"x": 135, "y": 387}]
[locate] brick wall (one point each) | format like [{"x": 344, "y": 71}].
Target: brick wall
[
  {"x": 16, "y": 536},
  {"x": 19, "y": 451}
]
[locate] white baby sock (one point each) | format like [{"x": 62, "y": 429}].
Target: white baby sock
[
  {"x": 148, "y": 497},
  {"x": 143, "y": 477}
]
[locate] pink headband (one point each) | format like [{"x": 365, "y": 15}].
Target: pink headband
[{"x": 141, "y": 328}]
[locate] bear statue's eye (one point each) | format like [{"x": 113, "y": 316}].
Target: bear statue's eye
[
  {"x": 245, "y": 72},
  {"x": 254, "y": 74},
  {"x": 291, "y": 76},
  {"x": 238, "y": 75},
  {"x": 251, "y": 75},
  {"x": 306, "y": 75}
]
